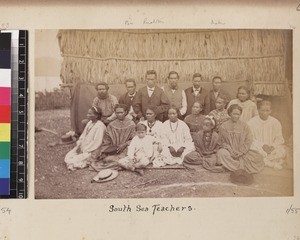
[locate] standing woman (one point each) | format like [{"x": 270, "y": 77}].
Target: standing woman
[
  {"x": 243, "y": 100},
  {"x": 176, "y": 139},
  {"x": 89, "y": 141},
  {"x": 236, "y": 139},
  {"x": 154, "y": 126}
]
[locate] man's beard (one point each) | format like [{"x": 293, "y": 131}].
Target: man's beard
[{"x": 174, "y": 86}]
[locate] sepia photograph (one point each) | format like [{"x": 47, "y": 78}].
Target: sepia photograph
[{"x": 163, "y": 113}]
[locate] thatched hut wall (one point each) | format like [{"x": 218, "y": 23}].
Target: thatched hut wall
[{"x": 254, "y": 56}]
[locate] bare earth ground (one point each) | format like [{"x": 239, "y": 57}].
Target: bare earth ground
[{"x": 52, "y": 181}]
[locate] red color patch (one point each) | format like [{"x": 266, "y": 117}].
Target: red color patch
[{"x": 5, "y": 114}]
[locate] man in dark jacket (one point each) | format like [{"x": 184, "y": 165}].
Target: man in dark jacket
[
  {"x": 196, "y": 93},
  {"x": 151, "y": 95},
  {"x": 215, "y": 92},
  {"x": 128, "y": 99}
]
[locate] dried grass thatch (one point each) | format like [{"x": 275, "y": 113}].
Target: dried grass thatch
[{"x": 256, "y": 56}]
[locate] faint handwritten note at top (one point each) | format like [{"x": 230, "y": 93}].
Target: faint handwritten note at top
[{"x": 153, "y": 21}]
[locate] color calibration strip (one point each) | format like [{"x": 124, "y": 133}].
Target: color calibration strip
[
  {"x": 5, "y": 112},
  {"x": 18, "y": 114}
]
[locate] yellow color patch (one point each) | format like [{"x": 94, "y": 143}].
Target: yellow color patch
[{"x": 4, "y": 132}]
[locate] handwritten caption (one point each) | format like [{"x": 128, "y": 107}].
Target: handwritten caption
[
  {"x": 292, "y": 210},
  {"x": 153, "y": 209},
  {"x": 146, "y": 21}
]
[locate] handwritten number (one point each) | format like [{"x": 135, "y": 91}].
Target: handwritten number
[{"x": 5, "y": 210}]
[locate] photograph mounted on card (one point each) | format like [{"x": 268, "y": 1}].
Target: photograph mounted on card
[{"x": 176, "y": 112}]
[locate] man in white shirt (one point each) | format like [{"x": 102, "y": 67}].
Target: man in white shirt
[
  {"x": 151, "y": 95},
  {"x": 267, "y": 134},
  {"x": 175, "y": 94},
  {"x": 196, "y": 93}
]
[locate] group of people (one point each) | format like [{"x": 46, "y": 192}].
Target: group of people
[{"x": 168, "y": 125}]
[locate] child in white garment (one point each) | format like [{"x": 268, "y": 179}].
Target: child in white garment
[{"x": 141, "y": 150}]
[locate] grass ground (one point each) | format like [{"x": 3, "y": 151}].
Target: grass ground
[{"x": 52, "y": 180}]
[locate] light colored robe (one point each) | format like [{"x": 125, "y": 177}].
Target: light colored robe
[
  {"x": 90, "y": 140},
  {"x": 179, "y": 138},
  {"x": 268, "y": 132},
  {"x": 236, "y": 138}
]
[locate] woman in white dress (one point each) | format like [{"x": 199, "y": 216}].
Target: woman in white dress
[
  {"x": 154, "y": 127},
  {"x": 89, "y": 141},
  {"x": 176, "y": 139}
]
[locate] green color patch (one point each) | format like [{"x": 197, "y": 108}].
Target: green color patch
[{"x": 4, "y": 150}]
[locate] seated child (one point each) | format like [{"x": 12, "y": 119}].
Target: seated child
[
  {"x": 267, "y": 135},
  {"x": 140, "y": 151}
]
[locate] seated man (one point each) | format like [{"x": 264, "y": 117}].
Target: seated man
[
  {"x": 106, "y": 102},
  {"x": 267, "y": 134},
  {"x": 117, "y": 136}
]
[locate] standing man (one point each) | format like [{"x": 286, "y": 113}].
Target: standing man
[
  {"x": 106, "y": 102},
  {"x": 152, "y": 95},
  {"x": 216, "y": 92},
  {"x": 196, "y": 93},
  {"x": 128, "y": 99},
  {"x": 175, "y": 95}
]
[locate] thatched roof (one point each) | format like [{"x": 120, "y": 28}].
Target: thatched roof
[{"x": 256, "y": 56}]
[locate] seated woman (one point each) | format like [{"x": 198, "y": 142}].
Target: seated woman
[
  {"x": 243, "y": 100},
  {"x": 195, "y": 119},
  {"x": 207, "y": 144},
  {"x": 267, "y": 134},
  {"x": 141, "y": 150},
  {"x": 89, "y": 141},
  {"x": 117, "y": 136},
  {"x": 220, "y": 113},
  {"x": 154, "y": 127},
  {"x": 176, "y": 140},
  {"x": 236, "y": 139}
]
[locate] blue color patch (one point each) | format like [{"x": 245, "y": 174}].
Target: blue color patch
[
  {"x": 4, "y": 168},
  {"x": 4, "y": 186}
]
